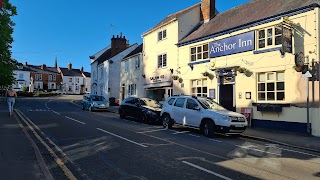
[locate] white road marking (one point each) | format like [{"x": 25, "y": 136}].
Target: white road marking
[
  {"x": 152, "y": 131},
  {"x": 75, "y": 120},
  {"x": 56, "y": 112},
  {"x": 180, "y": 132},
  {"x": 193, "y": 135},
  {"x": 277, "y": 146},
  {"x": 122, "y": 137},
  {"x": 206, "y": 170},
  {"x": 215, "y": 140},
  {"x": 299, "y": 152},
  {"x": 248, "y": 147}
]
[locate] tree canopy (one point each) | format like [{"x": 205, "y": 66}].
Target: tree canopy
[{"x": 7, "y": 64}]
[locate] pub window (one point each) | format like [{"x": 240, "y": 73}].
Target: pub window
[
  {"x": 70, "y": 79},
  {"x": 137, "y": 60},
  {"x": 271, "y": 86},
  {"x": 199, "y": 52},
  {"x": 162, "y": 61},
  {"x": 162, "y": 35},
  {"x": 199, "y": 87},
  {"x": 126, "y": 66},
  {"x": 269, "y": 37},
  {"x": 132, "y": 90}
]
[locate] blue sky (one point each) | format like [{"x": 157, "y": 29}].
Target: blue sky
[{"x": 72, "y": 30}]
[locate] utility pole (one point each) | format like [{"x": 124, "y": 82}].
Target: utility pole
[{"x": 307, "y": 75}]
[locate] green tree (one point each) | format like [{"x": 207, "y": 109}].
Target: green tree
[{"x": 7, "y": 64}]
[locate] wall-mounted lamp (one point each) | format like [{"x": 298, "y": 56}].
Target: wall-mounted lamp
[
  {"x": 143, "y": 75},
  {"x": 171, "y": 71},
  {"x": 191, "y": 66}
]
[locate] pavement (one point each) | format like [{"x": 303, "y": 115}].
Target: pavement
[{"x": 19, "y": 157}]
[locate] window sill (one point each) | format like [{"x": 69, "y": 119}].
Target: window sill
[
  {"x": 264, "y": 50},
  {"x": 199, "y": 62},
  {"x": 270, "y": 107},
  {"x": 162, "y": 40}
]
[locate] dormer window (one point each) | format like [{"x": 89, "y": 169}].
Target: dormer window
[{"x": 162, "y": 35}]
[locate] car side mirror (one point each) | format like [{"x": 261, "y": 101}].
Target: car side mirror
[{"x": 197, "y": 108}]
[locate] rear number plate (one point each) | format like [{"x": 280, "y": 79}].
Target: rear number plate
[{"x": 239, "y": 125}]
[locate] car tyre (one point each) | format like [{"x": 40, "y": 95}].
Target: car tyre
[
  {"x": 208, "y": 128},
  {"x": 167, "y": 122},
  {"x": 122, "y": 115}
]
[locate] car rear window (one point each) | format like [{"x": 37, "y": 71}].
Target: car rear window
[{"x": 170, "y": 102}]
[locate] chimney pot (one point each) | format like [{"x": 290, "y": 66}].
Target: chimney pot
[{"x": 69, "y": 66}]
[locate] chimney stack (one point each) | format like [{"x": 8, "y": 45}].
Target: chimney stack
[
  {"x": 43, "y": 66},
  {"x": 26, "y": 63},
  {"x": 118, "y": 44},
  {"x": 70, "y": 66},
  {"x": 208, "y": 9},
  {"x": 82, "y": 70}
]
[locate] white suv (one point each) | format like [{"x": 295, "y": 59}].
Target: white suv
[{"x": 203, "y": 113}]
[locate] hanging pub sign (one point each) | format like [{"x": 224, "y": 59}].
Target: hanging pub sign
[
  {"x": 232, "y": 45},
  {"x": 286, "y": 39}
]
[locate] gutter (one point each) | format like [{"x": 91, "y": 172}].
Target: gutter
[{"x": 251, "y": 24}]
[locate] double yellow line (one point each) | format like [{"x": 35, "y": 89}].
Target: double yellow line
[{"x": 59, "y": 162}]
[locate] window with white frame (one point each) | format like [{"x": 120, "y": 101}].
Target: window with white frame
[
  {"x": 162, "y": 61},
  {"x": 199, "y": 87},
  {"x": 70, "y": 79},
  {"x": 132, "y": 89},
  {"x": 162, "y": 35},
  {"x": 77, "y": 80},
  {"x": 199, "y": 52},
  {"x": 126, "y": 66},
  {"x": 21, "y": 76},
  {"x": 40, "y": 76},
  {"x": 50, "y": 77},
  {"x": 271, "y": 86},
  {"x": 77, "y": 88},
  {"x": 137, "y": 60},
  {"x": 54, "y": 77},
  {"x": 268, "y": 37}
]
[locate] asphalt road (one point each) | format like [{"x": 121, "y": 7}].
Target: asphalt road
[{"x": 100, "y": 145}]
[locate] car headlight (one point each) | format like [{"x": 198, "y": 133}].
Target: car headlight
[{"x": 226, "y": 118}]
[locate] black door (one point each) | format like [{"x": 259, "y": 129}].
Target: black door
[{"x": 226, "y": 96}]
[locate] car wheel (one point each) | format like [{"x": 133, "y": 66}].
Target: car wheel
[
  {"x": 167, "y": 122},
  {"x": 122, "y": 115},
  {"x": 208, "y": 128}
]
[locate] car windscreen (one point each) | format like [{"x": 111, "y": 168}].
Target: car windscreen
[
  {"x": 98, "y": 98},
  {"x": 209, "y": 104},
  {"x": 149, "y": 102}
]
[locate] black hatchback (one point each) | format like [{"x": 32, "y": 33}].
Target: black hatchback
[{"x": 143, "y": 109}]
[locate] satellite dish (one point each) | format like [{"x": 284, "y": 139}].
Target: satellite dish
[{"x": 299, "y": 59}]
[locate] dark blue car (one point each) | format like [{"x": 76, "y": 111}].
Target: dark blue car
[{"x": 143, "y": 109}]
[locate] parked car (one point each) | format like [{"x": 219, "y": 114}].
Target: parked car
[
  {"x": 93, "y": 102},
  {"x": 202, "y": 113},
  {"x": 144, "y": 109},
  {"x": 60, "y": 92}
]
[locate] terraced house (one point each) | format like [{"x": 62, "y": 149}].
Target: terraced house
[{"x": 255, "y": 56}]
